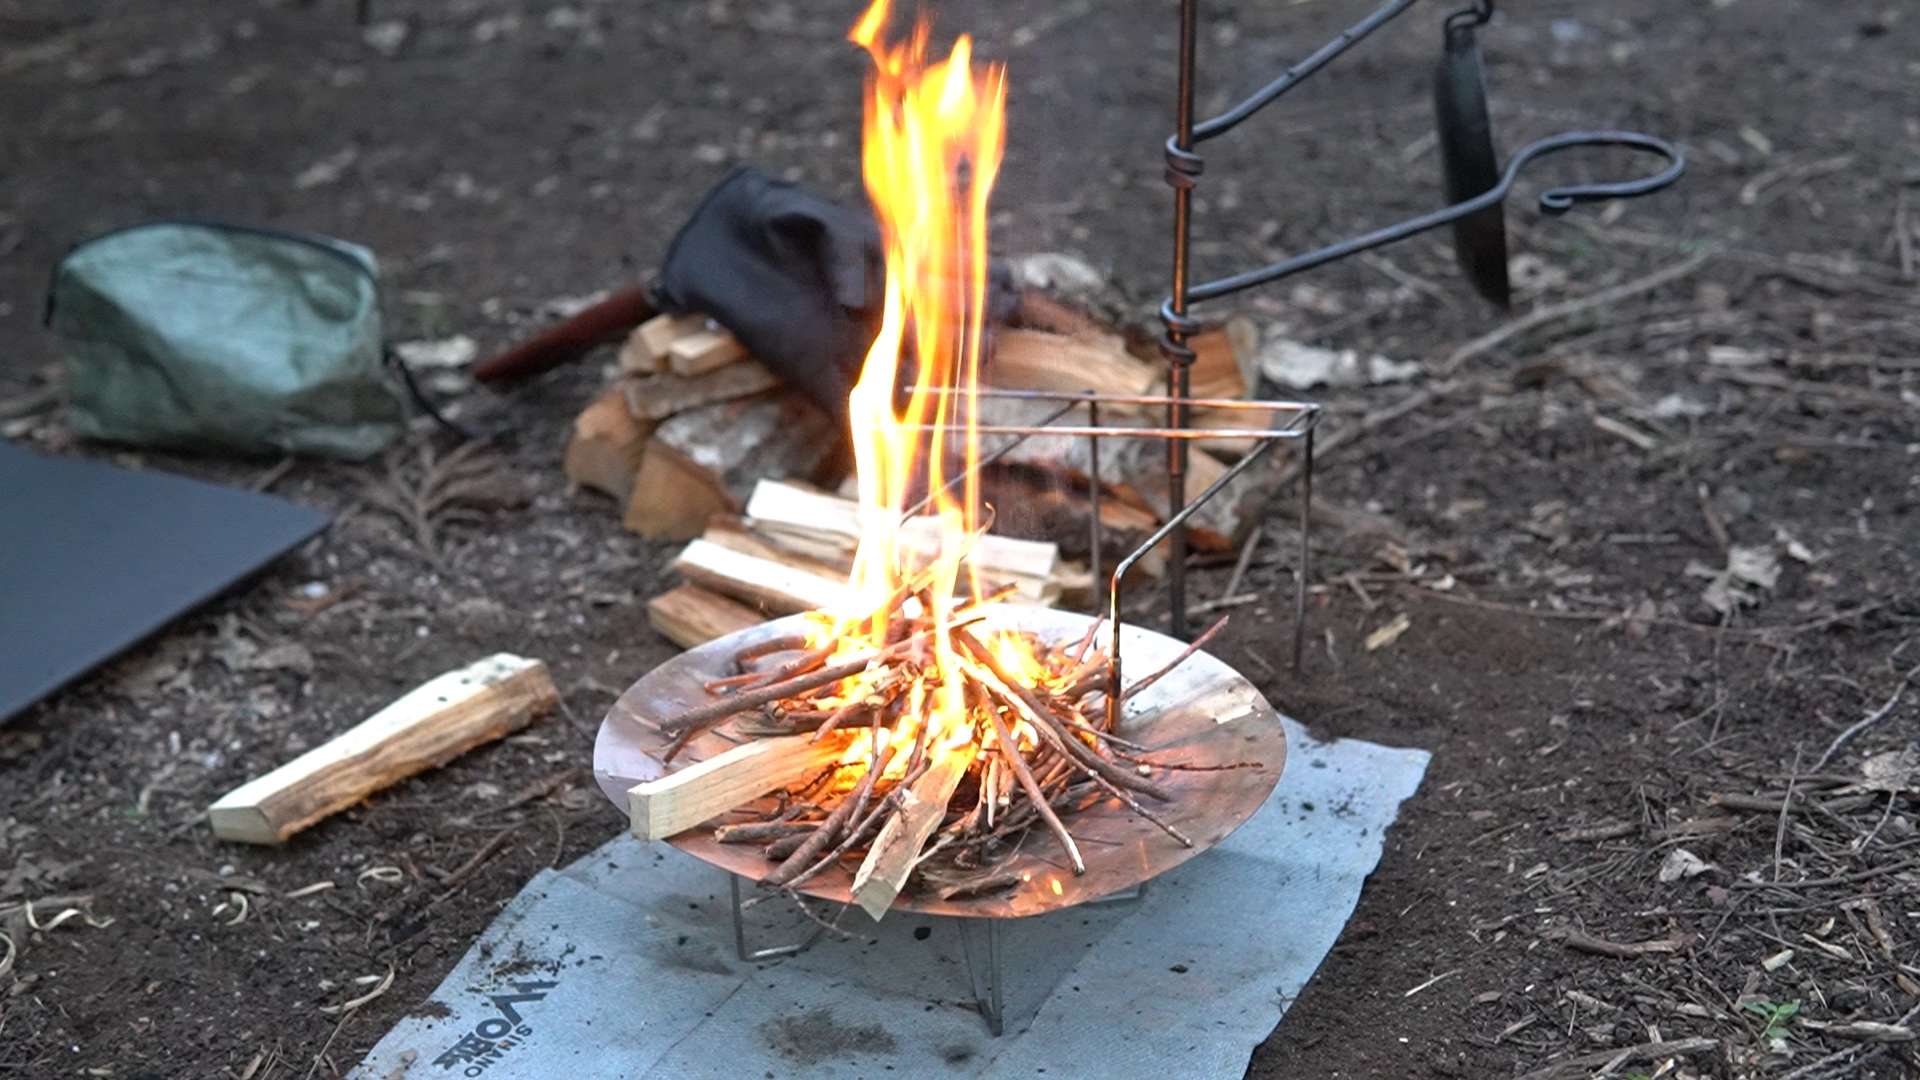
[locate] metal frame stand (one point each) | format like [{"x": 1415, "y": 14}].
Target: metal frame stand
[
  {"x": 1184, "y": 167},
  {"x": 991, "y": 998},
  {"x": 1286, "y": 419},
  {"x": 772, "y": 952}
]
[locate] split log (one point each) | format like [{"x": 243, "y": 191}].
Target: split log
[
  {"x": 810, "y": 522},
  {"x": 430, "y": 725},
  {"x": 734, "y": 535},
  {"x": 827, "y": 528},
  {"x": 897, "y": 849},
  {"x": 772, "y": 587},
  {"x": 1037, "y": 360},
  {"x": 651, "y": 340},
  {"x": 607, "y": 444},
  {"x": 635, "y": 358},
  {"x": 690, "y": 615},
  {"x": 663, "y": 395},
  {"x": 703, "y": 351},
  {"x": 672, "y": 496},
  {"x": 1223, "y": 359},
  {"x": 705, "y": 461},
  {"x": 703, "y": 791}
]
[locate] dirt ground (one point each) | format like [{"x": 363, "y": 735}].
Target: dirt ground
[{"x": 1643, "y": 845}]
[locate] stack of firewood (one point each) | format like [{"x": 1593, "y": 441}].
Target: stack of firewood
[
  {"x": 690, "y": 425},
  {"x": 699, "y": 442},
  {"x": 793, "y": 550}
]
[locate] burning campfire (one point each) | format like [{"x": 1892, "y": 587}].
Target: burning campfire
[{"x": 921, "y": 728}]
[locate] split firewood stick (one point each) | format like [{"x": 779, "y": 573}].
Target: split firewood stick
[
  {"x": 805, "y": 855},
  {"x": 923, "y": 805},
  {"x": 702, "y": 791},
  {"x": 1198, "y": 644},
  {"x": 1035, "y": 797},
  {"x": 430, "y": 725}
]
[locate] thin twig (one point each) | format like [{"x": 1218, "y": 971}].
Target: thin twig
[
  {"x": 1198, "y": 644},
  {"x": 1877, "y": 715},
  {"x": 1555, "y": 312}
]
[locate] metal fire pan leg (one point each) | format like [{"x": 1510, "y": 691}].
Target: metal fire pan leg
[
  {"x": 772, "y": 952},
  {"x": 990, "y": 997}
]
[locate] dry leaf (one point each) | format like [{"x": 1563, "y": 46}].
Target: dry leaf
[
  {"x": 1389, "y": 633},
  {"x": 1681, "y": 863}
]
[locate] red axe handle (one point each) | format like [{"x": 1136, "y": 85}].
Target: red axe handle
[{"x": 567, "y": 340}]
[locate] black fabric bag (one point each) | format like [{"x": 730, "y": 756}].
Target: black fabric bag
[{"x": 797, "y": 279}]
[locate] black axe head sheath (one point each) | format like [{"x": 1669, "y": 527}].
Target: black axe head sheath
[{"x": 798, "y": 280}]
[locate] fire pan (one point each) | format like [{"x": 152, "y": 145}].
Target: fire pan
[{"x": 1202, "y": 713}]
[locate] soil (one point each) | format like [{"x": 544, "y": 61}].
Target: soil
[{"x": 1535, "y": 517}]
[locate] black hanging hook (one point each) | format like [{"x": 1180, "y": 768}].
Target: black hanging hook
[
  {"x": 1479, "y": 13},
  {"x": 1468, "y": 159}
]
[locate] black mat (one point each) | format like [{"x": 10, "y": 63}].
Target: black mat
[{"x": 94, "y": 557}]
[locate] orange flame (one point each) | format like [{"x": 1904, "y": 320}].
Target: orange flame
[{"x": 934, "y": 135}]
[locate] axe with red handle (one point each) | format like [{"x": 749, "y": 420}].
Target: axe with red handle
[{"x": 608, "y": 320}]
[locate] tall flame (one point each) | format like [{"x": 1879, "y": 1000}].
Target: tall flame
[{"x": 934, "y": 134}]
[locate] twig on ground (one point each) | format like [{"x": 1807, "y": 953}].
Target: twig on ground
[
  {"x": 1539, "y": 317},
  {"x": 1581, "y": 941},
  {"x": 1873, "y": 718}
]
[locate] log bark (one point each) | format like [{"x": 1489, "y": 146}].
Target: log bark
[{"x": 706, "y": 460}]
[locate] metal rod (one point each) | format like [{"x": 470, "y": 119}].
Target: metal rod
[
  {"x": 1553, "y": 201},
  {"x": 1184, "y": 434},
  {"x": 772, "y": 952},
  {"x": 1300, "y": 572},
  {"x": 1114, "y": 683},
  {"x": 990, "y": 998},
  {"x": 1183, "y": 171},
  {"x": 1228, "y": 120},
  {"x": 1082, "y": 397},
  {"x": 984, "y": 460},
  {"x": 1096, "y": 536}
]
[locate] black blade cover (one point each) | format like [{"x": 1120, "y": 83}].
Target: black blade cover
[{"x": 1472, "y": 168}]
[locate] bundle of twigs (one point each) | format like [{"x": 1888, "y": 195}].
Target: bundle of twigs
[{"x": 1041, "y": 751}]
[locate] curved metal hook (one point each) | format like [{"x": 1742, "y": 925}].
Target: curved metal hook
[
  {"x": 1560, "y": 200},
  {"x": 1480, "y": 14},
  {"x": 1553, "y": 201}
]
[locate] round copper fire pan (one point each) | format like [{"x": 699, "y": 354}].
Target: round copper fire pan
[{"x": 1202, "y": 713}]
